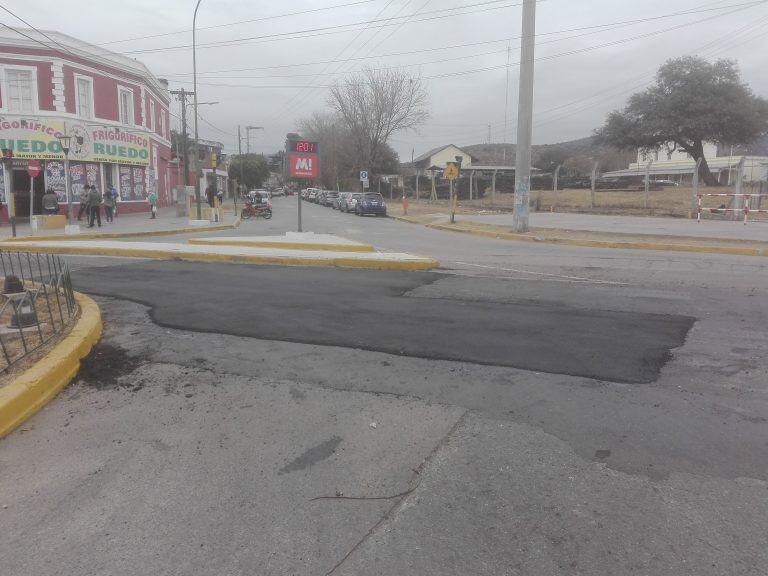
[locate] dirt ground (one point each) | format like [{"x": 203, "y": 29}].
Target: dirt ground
[
  {"x": 13, "y": 345},
  {"x": 675, "y": 202}
]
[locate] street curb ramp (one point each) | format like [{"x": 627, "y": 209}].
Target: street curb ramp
[{"x": 37, "y": 386}]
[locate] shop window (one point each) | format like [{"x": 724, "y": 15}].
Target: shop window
[{"x": 131, "y": 183}]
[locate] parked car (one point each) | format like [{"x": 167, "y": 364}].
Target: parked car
[
  {"x": 312, "y": 194},
  {"x": 331, "y": 198},
  {"x": 278, "y": 192},
  {"x": 350, "y": 201},
  {"x": 320, "y": 198},
  {"x": 371, "y": 203},
  {"x": 663, "y": 183}
]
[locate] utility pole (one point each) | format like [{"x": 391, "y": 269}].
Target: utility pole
[
  {"x": 524, "y": 119},
  {"x": 182, "y": 96}
]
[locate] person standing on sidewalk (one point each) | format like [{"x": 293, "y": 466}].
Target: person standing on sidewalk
[
  {"x": 109, "y": 206},
  {"x": 83, "y": 203},
  {"x": 152, "y": 199},
  {"x": 94, "y": 207},
  {"x": 114, "y": 194}
]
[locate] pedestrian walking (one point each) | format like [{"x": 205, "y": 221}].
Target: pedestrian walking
[
  {"x": 83, "y": 203},
  {"x": 209, "y": 194},
  {"x": 115, "y": 195},
  {"x": 152, "y": 199},
  {"x": 94, "y": 207},
  {"x": 50, "y": 202},
  {"x": 109, "y": 206},
  {"x": 220, "y": 195}
]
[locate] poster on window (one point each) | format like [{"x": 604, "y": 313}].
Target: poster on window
[
  {"x": 138, "y": 183},
  {"x": 54, "y": 179},
  {"x": 126, "y": 183},
  {"x": 77, "y": 180},
  {"x": 92, "y": 175},
  {"x": 2, "y": 184}
]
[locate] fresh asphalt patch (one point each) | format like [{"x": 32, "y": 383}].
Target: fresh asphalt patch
[{"x": 371, "y": 310}]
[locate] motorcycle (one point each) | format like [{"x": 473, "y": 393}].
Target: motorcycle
[{"x": 252, "y": 210}]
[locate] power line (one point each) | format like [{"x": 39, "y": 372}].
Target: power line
[
  {"x": 262, "y": 19},
  {"x": 324, "y": 30},
  {"x": 36, "y": 30},
  {"x": 607, "y": 25}
]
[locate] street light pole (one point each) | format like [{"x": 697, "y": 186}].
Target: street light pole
[
  {"x": 194, "y": 88},
  {"x": 66, "y": 145},
  {"x": 524, "y": 119},
  {"x": 248, "y": 136}
]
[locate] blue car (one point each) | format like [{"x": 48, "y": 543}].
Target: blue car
[{"x": 371, "y": 203}]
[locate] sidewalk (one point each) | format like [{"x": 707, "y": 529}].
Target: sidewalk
[
  {"x": 596, "y": 234},
  {"x": 128, "y": 224}
]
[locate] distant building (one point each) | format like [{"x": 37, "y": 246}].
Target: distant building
[
  {"x": 678, "y": 166},
  {"x": 208, "y": 151},
  {"x": 437, "y": 158},
  {"x": 115, "y": 109}
]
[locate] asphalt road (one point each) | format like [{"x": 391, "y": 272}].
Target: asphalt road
[
  {"x": 375, "y": 311},
  {"x": 286, "y": 421}
]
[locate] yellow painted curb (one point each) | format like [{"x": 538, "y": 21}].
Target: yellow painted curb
[
  {"x": 661, "y": 246},
  {"x": 108, "y": 235},
  {"x": 33, "y": 389},
  {"x": 128, "y": 252},
  {"x": 286, "y": 245}
]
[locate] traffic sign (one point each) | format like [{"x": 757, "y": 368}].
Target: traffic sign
[
  {"x": 363, "y": 175},
  {"x": 33, "y": 168},
  {"x": 451, "y": 171},
  {"x": 365, "y": 183}
]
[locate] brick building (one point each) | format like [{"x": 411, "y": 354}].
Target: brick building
[{"x": 115, "y": 109}]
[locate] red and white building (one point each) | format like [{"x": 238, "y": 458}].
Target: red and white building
[{"x": 115, "y": 109}]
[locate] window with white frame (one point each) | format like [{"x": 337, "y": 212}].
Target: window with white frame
[
  {"x": 163, "y": 124},
  {"x": 21, "y": 90},
  {"x": 126, "y": 106},
  {"x": 152, "y": 115},
  {"x": 84, "y": 97}
]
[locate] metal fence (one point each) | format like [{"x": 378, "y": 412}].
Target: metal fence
[{"x": 38, "y": 303}]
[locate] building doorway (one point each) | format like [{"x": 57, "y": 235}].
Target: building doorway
[{"x": 21, "y": 182}]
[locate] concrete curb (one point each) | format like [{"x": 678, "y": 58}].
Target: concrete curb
[
  {"x": 286, "y": 245},
  {"x": 33, "y": 389},
  {"x": 660, "y": 246},
  {"x": 340, "y": 262},
  {"x": 108, "y": 235}
]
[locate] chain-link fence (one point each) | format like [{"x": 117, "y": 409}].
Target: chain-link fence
[{"x": 38, "y": 303}]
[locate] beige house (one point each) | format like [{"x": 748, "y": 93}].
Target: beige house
[{"x": 437, "y": 158}]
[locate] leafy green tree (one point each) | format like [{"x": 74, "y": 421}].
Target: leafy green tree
[
  {"x": 254, "y": 170},
  {"x": 691, "y": 102}
]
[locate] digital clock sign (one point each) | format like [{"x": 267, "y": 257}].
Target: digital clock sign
[{"x": 303, "y": 146}]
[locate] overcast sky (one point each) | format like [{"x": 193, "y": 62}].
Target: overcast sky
[{"x": 573, "y": 92}]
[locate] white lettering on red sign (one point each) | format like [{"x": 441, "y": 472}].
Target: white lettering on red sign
[{"x": 303, "y": 166}]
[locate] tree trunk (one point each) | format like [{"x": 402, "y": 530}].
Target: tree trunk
[{"x": 705, "y": 173}]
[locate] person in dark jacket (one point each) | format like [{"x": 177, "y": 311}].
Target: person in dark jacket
[
  {"x": 50, "y": 202},
  {"x": 210, "y": 193},
  {"x": 94, "y": 207},
  {"x": 83, "y": 203},
  {"x": 109, "y": 206}
]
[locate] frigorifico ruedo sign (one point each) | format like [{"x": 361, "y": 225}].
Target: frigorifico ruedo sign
[{"x": 39, "y": 139}]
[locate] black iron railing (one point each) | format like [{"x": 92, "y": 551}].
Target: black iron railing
[{"x": 37, "y": 303}]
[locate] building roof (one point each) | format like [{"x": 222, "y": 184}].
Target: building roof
[
  {"x": 430, "y": 153},
  {"x": 686, "y": 166},
  {"x": 63, "y": 43}
]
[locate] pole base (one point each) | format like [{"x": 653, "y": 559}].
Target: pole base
[{"x": 72, "y": 229}]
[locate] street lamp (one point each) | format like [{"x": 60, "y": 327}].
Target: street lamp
[
  {"x": 66, "y": 145},
  {"x": 248, "y": 136},
  {"x": 194, "y": 82}
]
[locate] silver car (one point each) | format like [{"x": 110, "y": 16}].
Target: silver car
[{"x": 350, "y": 201}]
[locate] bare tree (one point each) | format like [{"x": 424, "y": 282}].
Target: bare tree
[{"x": 375, "y": 104}]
